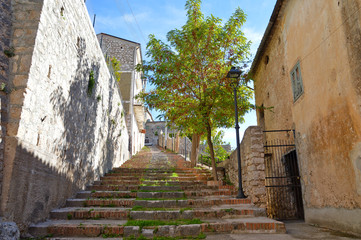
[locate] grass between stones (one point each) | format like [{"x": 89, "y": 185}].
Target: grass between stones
[
  {"x": 141, "y": 208},
  {"x": 149, "y": 223},
  {"x": 141, "y": 237},
  {"x": 160, "y": 199},
  {"x": 156, "y": 191}
]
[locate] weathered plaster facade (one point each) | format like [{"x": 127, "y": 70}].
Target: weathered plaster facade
[
  {"x": 324, "y": 36},
  {"x": 129, "y": 55},
  {"x": 60, "y": 134}
]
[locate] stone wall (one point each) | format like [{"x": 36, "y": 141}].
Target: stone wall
[
  {"x": 253, "y": 167},
  {"x": 5, "y": 34},
  {"x": 62, "y": 133},
  {"x": 120, "y": 48}
]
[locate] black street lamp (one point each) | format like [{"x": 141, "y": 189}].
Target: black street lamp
[{"x": 235, "y": 74}]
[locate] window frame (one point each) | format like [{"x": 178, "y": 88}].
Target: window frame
[{"x": 296, "y": 82}]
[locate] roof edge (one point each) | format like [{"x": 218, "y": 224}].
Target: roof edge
[
  {"x": 106, "y": 34},
  {"x": 266, "y": 35}
]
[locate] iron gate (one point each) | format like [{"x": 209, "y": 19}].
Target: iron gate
[{"x": 283, "y": 185}]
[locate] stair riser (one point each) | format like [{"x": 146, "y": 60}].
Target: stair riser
[
  {"x": 122, "y": 178},
  {"x": 209, "y": 193},
  {"x": 101, "y": 203},
  {"x": 116, "y": 182},
  {"x": 116, "y": 215},
  {"x": 112, "y": 188},
  {"x": 174, "y": 215},
  {"x": 160, "y": 195},
  {"x": 162, "y": 231},
  {"x": 187, "y": 203},
  {"x": 126, "y": 194}
]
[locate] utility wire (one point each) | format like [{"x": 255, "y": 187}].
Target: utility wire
[
  {"x": 136, "y": 22},
  {"x": 130, "y": 28}
]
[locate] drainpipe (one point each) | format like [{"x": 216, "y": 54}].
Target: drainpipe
[{"x": 131, "y": 105}]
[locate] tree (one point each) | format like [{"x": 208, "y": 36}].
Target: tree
[
  {"x": 217, "y": 140},
  {"x": 189, "y": 73}
]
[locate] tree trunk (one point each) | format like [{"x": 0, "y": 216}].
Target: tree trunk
[
  {"x": 196, "y": 138},
  {"x": 211, "y": 150}
]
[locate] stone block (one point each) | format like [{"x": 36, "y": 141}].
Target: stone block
[
  {"x": 20, "y": 80},
  {"x": 188, "y": 230},
  {"x": 15, "y": 113},
  {"x": 131, "y": 231},
  {"x": 25, "y": 63},
  {"x": 17, "y": 97},
  {"x": 12, "y": 129},
  {"x": 9, "y": 231}
]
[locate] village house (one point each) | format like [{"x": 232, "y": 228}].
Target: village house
[
  {"x": 129, "y": 54},
  {"x": 307, "y": 78}
]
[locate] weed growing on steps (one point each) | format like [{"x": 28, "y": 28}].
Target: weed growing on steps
[
  {"x": 141, "y": 237},
  {"x": 141, "y": 208},
  {"x": 228, "y": 210},
  {"x": 147, "y": 223},
  {"x": 160, "y": 199}
]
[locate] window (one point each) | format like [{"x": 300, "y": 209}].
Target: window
[{"x": 296, "y": 80}]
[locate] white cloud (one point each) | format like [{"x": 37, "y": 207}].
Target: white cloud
[{"x": 254, "y": 36}]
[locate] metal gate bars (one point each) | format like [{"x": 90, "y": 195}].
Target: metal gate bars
[{"x": 283, "y": 186}]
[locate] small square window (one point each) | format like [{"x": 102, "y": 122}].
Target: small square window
[{"x": 296, "y": 80}]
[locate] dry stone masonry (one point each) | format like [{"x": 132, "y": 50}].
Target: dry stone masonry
[{"x": 253, "y": 167}]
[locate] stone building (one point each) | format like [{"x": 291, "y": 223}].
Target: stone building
[
  {"x": 307, "y": 69},
  {"x": 62, "y": 115},
  {"x": 129, "y": 55}
]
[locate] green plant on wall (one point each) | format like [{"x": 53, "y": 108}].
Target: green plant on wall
[
  {"x": 9, "y": 52},
  {"x": 91, "y": 83},
  {"x": 116, "y": 67}
]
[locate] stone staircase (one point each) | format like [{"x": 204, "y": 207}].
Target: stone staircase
[{"x": 166, "y": 199}]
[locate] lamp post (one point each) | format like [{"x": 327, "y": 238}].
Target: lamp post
[{"x": 235, "y": 74}]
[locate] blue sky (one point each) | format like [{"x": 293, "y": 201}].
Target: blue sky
[{"x": 136, "y": 19}]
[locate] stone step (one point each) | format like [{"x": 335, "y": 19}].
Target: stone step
[
  {"x": 177, "y": 183},
  {"x": 160, "y": 188},
  {"x": 117, "y": 182},
  {"x": 203, "y": 193},
  {"x": 153, "y": 203},
  {"x": 97, "y": 202},
  {"x": 120, "y": 177},
  {"x": 173, "y": 192},
  {"x": 112, "y": 188},
  {"x": 90, "y": 213},
  {"x": 152, "y": 188},
  {"x": 160, "y": 195},
  {"x": 156, "y": 170},
  {"x": 179, "y": 178},
  {"x": 235, "y": 212},
  {"x": 106, "y": 194},
  {"x": 214, "y": 212},
  {"x": 116, "y": 228},
  {"x": 180, "y": 203}
]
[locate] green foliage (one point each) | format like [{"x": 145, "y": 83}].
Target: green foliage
[
  {"x": 145, "y": 148},
  {"x": 91, "y": 83},
  {"x": 9, "y": 52},
  {"x": 219, "y": 152},
  {"x": 189, "y": 72},
  {"x": 69, "y": 216},
  {"x": 145, "y": 223},
  {"x": 116, "y": 67}
]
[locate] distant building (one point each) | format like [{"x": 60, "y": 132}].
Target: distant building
[
  {"x": 308, "y": 69},
  {"x": 128, "y": 53}
]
